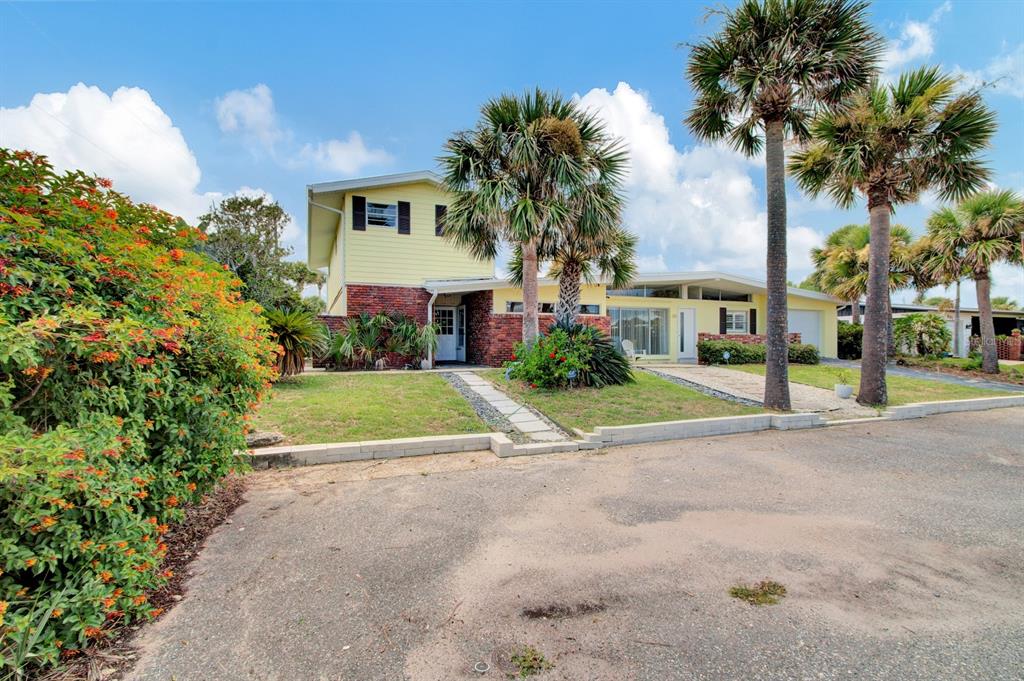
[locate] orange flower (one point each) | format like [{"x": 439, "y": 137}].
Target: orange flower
[
  {"x": 57, "y": 612},
  {"x": 138, "y": 600},
  {"x": 156, "y": 612},
  {"x": 191, "y": 487},
  {"x": 29, "y": 562},
  {"x": 48, "y": 521},
  {"x": 172, "y": 501},
  {"x": 93, "y": 632}
]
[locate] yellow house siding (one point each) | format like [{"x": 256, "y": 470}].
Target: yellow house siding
[
  {"x": 335, "y": 299},
  {"x": 381, "y": 255}
]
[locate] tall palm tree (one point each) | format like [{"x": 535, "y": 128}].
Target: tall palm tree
[
  {"x": 983, "y": 230},
  {"x": 893, "y": 142},
  {"x": 516, "y": 175},
  {"x": 771, "y": 66},
  {"x": 841, "y": 267},
  {"x": 582, "y": 256},
  {"x": 1004, "y": 303}
]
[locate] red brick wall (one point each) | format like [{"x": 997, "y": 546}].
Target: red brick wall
[
  {"x": 1011, "y": 347},
  {"x": 748, "y": 338},
  {"x": 492, "y": 336}
]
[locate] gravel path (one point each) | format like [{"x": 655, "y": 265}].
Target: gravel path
[
  {"x": 899, "y": 543},
  {"x": 750, "y": 387}
]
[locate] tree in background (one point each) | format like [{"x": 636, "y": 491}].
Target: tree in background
[
  {"x": 936, "y": 266},
  {"x": 245, "y": 235},
  {"x": 841, "y": 265},
  {"x": 983, "y": 230},
  {"x": 1004, "y": 303},
  {"x": 520, "y": 176},
  {"x": 771, "y": 66},
  {"x": 895, "y": 141}
]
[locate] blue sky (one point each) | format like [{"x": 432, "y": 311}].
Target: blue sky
[{"x": 182, "y": 104}]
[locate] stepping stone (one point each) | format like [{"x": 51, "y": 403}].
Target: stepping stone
[
  {"x": 532, "y": 426},
  {"x": 547, "y": 436},
  {"x": 523, "y": 416}
]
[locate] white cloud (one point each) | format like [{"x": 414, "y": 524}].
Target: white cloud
[
  {"x": 1004, "y": 74},
  {"x": 347, "y": 157},
  {"x": 697, "y": 209},
  {"x": 251, "y": 114},
  {"x": 651, "y": 263},
  {"x": 916, "y": 41},
  {"x": 125, "y": 136}
]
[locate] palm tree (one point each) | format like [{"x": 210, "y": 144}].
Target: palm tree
[
  {"x": 841, "y": 267},
  {"x": 983, "y": 230},
  {"x": 519, "y": 175},
  {"x": 772, "y": 65},
  {"x": 894, "y": 141},
  {"x": 578, "y": 256},
  {"x": 1004, "y": 303},
  {"x": 299, "y": 334}
]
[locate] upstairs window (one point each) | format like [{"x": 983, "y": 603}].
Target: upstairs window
[{"x": 382, "y": 214}]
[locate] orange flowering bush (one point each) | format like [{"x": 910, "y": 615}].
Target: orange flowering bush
[{"x": 128, "y": 365}]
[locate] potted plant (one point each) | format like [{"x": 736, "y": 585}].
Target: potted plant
[{"x": 843, "y": 388}]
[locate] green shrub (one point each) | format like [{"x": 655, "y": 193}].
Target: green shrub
[
  {"x": 606, "y": 365},
  {"x": 299, "y": 335},
  {"x": 368, "y": 338},
  {"x": 713, "y": 352},
  {"x": 552, "y": 361},
  {"x": 128, "y": 365},
  {"x": 803, "y": 353},
  {"x": 922, "y": 333},
  {"x": 850, "y": 341}
]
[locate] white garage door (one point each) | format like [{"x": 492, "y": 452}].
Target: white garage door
[{"x": 808, "y": 324}]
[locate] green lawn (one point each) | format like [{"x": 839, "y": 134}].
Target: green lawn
[
  {"x": 339, "y": 407},
  {"x": 1008, "y": 373},
  {"x": 649, "y": 400},
  {"x": 902, "y": 390}
]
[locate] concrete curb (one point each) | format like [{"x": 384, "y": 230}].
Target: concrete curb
[{"x": 603, "y": 436}]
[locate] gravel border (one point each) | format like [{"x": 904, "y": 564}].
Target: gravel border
[
  {"x": 710, "y": 392},
  {"x": 491, "y": 416}
]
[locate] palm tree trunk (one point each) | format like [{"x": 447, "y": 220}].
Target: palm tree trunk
[
  {"x": 776, "y": 378},
  {"x": 568, "y": 305},
  {"x": 855, "y": 311},
  {"x": 890, "y": 339},
  {"x": 989, "y": 353},
  {"x": 956, "y": 321},
  {"x": 876, "y": 311},
  {"x": 530, "y": 321}
]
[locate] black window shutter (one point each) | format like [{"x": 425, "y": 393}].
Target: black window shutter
[
  {"x": 721, "y": 320},
  {"x": 753, "y": 321},
  {"x": 359, "y": 213},
  {"x": 439, "y": 214},
  {"x": 403, "y": 217}
]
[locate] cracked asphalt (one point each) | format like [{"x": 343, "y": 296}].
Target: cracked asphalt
[{"x": 901, "y": 545}]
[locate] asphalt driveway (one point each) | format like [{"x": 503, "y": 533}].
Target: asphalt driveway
[{"x": 901, "y": 546}]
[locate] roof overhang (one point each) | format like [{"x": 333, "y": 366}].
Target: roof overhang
[
  {"x": 373, "y": 182},
  {"x": 717, "y": 279}
]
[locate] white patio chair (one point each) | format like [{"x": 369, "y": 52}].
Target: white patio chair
[{"x": 628, "y": 350}]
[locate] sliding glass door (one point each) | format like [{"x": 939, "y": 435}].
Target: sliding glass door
[{"x": 645, "y": 328}]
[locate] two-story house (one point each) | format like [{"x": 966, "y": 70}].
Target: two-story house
[{"x": 382, "y": 242}]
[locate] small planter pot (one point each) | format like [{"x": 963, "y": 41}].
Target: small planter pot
[{"x": 844, "y": 391}]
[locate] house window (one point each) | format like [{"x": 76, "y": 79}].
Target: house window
[
  {"x": 736, "y": 321},
  {"x": 549, "y": 308},
  {"x": 382, "y": 214},
  {"x": 672, "y": 291},
  {"x": 646, "y": 328},
  {"x": 722, "y": 294},
  {"x": 444, "y": 318}
]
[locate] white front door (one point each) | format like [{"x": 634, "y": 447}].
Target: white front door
[
  {"x": 687, "y": 337},
  {"x": 447, "y": 348}
]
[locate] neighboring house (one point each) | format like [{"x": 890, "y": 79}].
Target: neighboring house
[
  {"x": 1005, "y": 321},
  {"x": 381, "y": 239}
]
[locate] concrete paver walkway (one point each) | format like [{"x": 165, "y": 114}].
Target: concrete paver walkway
[
  {"x": 751, "y": 387},
  {"x": 522, "y": 417}
]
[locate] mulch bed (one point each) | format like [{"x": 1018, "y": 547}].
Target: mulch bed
[{"x": 114, "y": 655}]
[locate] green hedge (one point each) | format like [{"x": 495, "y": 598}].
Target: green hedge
[
  {"x": 712, "y": 352},
  {"x": 851, "y": 338}
]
